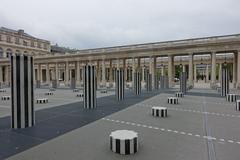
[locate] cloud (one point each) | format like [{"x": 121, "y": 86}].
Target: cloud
[{"x": 94, "y": 23}]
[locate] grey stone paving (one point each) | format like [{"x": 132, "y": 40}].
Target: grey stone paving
[{"x": 202, "y": 127}]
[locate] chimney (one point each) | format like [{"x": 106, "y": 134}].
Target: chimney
[{"x": 20, "y": 31}]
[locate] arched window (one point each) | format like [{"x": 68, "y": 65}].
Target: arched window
[
  {"x": 1, "y": 53},
  {"x": 9, "y": 52}
]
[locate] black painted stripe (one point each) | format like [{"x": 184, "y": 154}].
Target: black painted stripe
[
  {"x": 118, "y": 146},
  {"x": 127, "y": 146},
  {"x": 18, "y": 81},
  {"x": 135, "y": 144}
]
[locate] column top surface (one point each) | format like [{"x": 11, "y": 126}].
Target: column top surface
[{"x": 124, "y": 134}]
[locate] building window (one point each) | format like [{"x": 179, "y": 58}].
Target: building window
[
  {"x": 9, "y": 39},
  {"x": 17, "y": 41},
  {"x": 25, "y": 43}
]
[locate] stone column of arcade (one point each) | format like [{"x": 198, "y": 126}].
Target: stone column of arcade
[
  {"x": 7, "y": 75},
  {"x": 234, "y": 69},
  {"x": 195, "y": 72},
  {"x": 56, "y": 74},
  {"x": 77, "y": 68},
  {"x": 47, "y": 74},
  {"x": 1, "y": 75},
  {"x": 66, "y": 73},
  {"x": 238, "y": 70},
  {"x": 220, "y": 73},
  {"x": 153, "y": 72},
  {"x": 103, "y": 73},
  {"x": 110, "y": 72},
  {"x": 133, "y": 70},
  {"x": 170, "y": 70},
  {"x": 207, "y": 73},
  {"x": 125, "y": 70},
  {"x": 213, "y": 73},
  {"x": 23, "y": 115},
  {"x": 190, "y": 70},
  {"x": 38, "y": 82}
]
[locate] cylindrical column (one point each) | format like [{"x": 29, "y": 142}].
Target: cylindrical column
[
  {"x": 133, "y": 69},
  {"x": 23, "y": 115},
  {"x": 110, "y": 71},
  {"x": 103, "y": 73},
  {"x": 47, "y": 74},
  {"x": 195, "y": 72},
  {"x": 170, "y": 70},
  {"x": 213, "y": 73},
  {"x": 225, "y": 82},
  {"x": 207, "y": 73},
  {"x": 184, "y": 68},
  {"x": 125, "y": 70},
  {"x": 89, "y": 81},
  {"x": 183, "y": 82},
  {"x": 1, "y": 74},
  {"x": 67, "y": 73},
  {"x": 148, "y": 81},
  {"x": 137, "y": 83},
  {"x": 238, "y": 69},
  {"x": 235, "y": 58},
  {"x": 220, "y": 72},
  {"x": 119, "y": 84},
  {"x": 190, "y": 71},
  {"x": 77, "y": 67},
  {"x": 56, "y": 73}
]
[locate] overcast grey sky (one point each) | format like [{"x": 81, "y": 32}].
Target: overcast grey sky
[{"x": 101, "y": 23}]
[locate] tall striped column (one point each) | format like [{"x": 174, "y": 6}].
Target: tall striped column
[
  {"x": 89, "y": 81},
  {"x": 119, "y": 84},
  {"x": 137, "y": 83},
  {"x": 148, "y": 81},
  {"x": 23, "y": 115},
  {"x": 183, "y": 82},
  {"x": 225, "y": 82}
]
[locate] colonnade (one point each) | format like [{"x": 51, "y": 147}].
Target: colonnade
[{"x": 64, "y": 71}]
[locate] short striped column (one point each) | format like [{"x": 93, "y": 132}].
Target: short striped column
[
  {"x": 119, "y": 78},
  {"x": 2, "y": 90},
  {"x": 148, "y": 81},
  {"x": 159, "y": 111},
  {"x": 49, "y": 93},
  {"x": 23, "y": 115},
  {"x": 172, "y": 100},
  {"x": 231, "y": 97},
  {"x": 137, "y": 83},
  {"x": 179, "y": 94},
  {"x": 6, "y": 98},
  {"x": 225, "y": 82},
  {"x": 42, "y": 100},
  {"x": 124, "y": 142},
  {"x": 89, "y": 80},
  {"x": 183, "y": 82},
  {"x": 238, "y": 105}
]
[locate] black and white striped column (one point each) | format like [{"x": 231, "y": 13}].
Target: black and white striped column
[
  {"x": 238, "y": 105},
  {"x": 89, "y": 81},
  {"x": 225, "y": 82},
  {"x": 183, "y": 82},
  {"x": 23, "y": 115},
  {"x": 124, "y": 142},
  {"x": 119, "y": 78},
  {"x": 159, "y": 111},
  {"x": 148, "y": 81},
  {"x": 137, "y": 83},
  {"x": 231, "y": 97},
  {"x": 172, "y": 100}
]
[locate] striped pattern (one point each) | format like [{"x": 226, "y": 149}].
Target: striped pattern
[
  {"x": 80, "y": 95},
  {"x": 183, "y": 82},
  {"x": 42, "y": 100},
  {"x": 225, "y": 82},
  {"x": 89, "y": 81},
  {"x": 148, "y": 81},
  {"x": 238, "y": 105},
  {"x": 231, "y": 97},
  {"x": 159, "y": 111},
  {"x": 120, "y": 84},
  {"x": 124, "y": 145},
  {"x": 75, "y": 90},
  {"x": 172, "y": 100},
  {"x": 49, "y": 93},
  {"x": 137, "y": 83},
  {"x": 103, "y": 91},
  {"x": 6, "y": 98},
  {"x": 179, "y": 94},
  {"x": 22, "y": 91}
]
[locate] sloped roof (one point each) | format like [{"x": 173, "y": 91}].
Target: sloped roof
[{"x": 15, "y": 31}]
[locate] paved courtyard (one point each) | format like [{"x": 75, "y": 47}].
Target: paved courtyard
[{"x": 203, "y": 126}]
